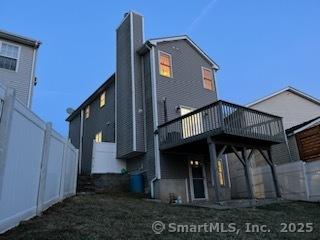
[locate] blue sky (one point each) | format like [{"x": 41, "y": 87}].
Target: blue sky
[{"x": 261, "y": 46}]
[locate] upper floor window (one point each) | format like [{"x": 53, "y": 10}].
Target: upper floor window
[
  {"x": 87, "y": 112},
  {"x": 103, "y": 99},
  {"x": 165, "y": 64},
  {"x": 98, "y": 137},
  {"x": 207, "y": 78},
  {"x": 9, "y": 55}
]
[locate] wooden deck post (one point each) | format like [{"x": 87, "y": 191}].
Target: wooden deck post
[
  {"x": 247, "y": 172},
  {"x": 213, "y": 167},
  {"x": 274, "y": 175}
]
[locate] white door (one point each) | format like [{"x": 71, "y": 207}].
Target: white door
[{"x": 198, "y": 181}]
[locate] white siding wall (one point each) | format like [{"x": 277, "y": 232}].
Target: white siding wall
[
  {"x": 293, "y": 108},
  {"x": 30, "y": 180},
  {"x": 20, "y": 79}
]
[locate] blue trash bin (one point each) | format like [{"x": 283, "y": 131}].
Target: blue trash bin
[{"x": 136, "y": 183}]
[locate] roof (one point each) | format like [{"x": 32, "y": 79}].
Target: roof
[
  {"x": 289, "y": 89},
  {"x": 92, "y": 97},
  {"x": 19, "y": 39},
  {"x": 302, "y": 126},
  {"x": 155, "y": 41}
]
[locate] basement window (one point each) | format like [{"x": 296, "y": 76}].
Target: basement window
[
  {"x": 103, "y": 99},
  {"x": 9, "y": 55},
  {"x": 98, "y": 137},
  {"x": 165, "y": 64},
  {"x": 207, "y": 78}
]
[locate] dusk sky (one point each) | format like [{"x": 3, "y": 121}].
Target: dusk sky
[{"x": 260, "y": 46}]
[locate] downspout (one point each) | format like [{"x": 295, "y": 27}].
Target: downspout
[
  {"x": 155, "y": 120},
  {"x": 31, "y": 84},
  {"x": 152, "y": 186}
]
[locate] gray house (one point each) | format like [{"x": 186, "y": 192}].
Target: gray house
[
  {"x": 17, "y": 64},
  {"x": 165, "y": 120}
]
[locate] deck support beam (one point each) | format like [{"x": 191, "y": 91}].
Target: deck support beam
[
  {"x": 247, "y": 172},
  {"x": 269, "y": 160},
  {"x": 214, "y": 156}
]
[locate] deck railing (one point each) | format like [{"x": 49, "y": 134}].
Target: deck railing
[{"x": 221, "y": 118}]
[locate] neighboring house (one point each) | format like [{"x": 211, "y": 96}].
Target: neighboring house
[
  {"x": 165, "y": 121},
  {"x": 296, "y": 108},
  {"x": 300, "y": 113},
  {"x": 304, "y": 140},
  {"x": 17, "y": 64}
]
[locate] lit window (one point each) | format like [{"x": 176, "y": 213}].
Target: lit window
[
  {"x": 9, "y": 55},
  {"x": 103, "y": 99},
  {"x": 87, "y": 112},
  {"x": 207, "y": 78},
  {"x": 220, "y": 173},
  {"x": 98, "y": 137},
  {"x": 165, "y": 64}
]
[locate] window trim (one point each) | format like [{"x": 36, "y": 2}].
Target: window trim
[
  {"x": 105, "y": 96},
  {"x": 171, "y": 66},
  {"x": 212, "y": 80},
  {"x": 18, "y": 58}
]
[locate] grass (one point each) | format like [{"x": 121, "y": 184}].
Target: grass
[{"x": 124, "y": 216}]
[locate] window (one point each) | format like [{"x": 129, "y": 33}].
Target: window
[
  {"x": 207, "y": 78},
  {"x": 165, "y": 64},
  {"x": 220, "y": 173},
  {"x": 9, "y": 55},
  {"x": 87, "y": 112},
  {"x": 98, "y": 137},
  {"x": 308, "y": 142},
  {"x": 103, "y": 99}
]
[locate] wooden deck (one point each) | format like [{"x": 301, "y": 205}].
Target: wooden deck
[{"x": 222, "y": 119}]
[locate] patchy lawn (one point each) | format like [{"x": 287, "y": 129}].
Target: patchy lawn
[{"x": 122, "y": 216}]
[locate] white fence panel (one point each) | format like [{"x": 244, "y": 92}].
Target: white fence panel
[
  {"x": 313, "y": 179},
  {"x": 53, "y": 176},
  {"x": 22, "y": 169},
  {"x": 104, "y": 158},
  {"x": 24, "y": 163},
  {"x": 263, "y": 185},
  {"x": 70, "y": 171}
]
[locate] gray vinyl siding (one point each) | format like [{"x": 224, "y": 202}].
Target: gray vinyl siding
[
  {"x": 186, "y": 86},
  {"x": 74, "y": 131},
  {"x": 146, "y": 162},
  {"x": 100, "y": 119},
  {"x": 294, "y": 150},
  {"x": 19, "y": 80},
  {"x": 124, "y": 90},
  {"x": 139, "y": 91},
  {"x": 130, "y": 107}
]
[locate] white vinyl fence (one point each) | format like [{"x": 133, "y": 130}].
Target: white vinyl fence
[
  {"x": 104, "y": 158},
  {"x": 297, "y": 181},
  {"x": 38, "y": 167}
]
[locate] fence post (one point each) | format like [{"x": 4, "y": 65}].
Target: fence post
[
  {"x": 44, "y": 167},
  {"x": 62, "y": 175},
  {"x": 5, "y": 127},
  {"x": 305, "y": 180},
  {"x": 76, "y": 170}
]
